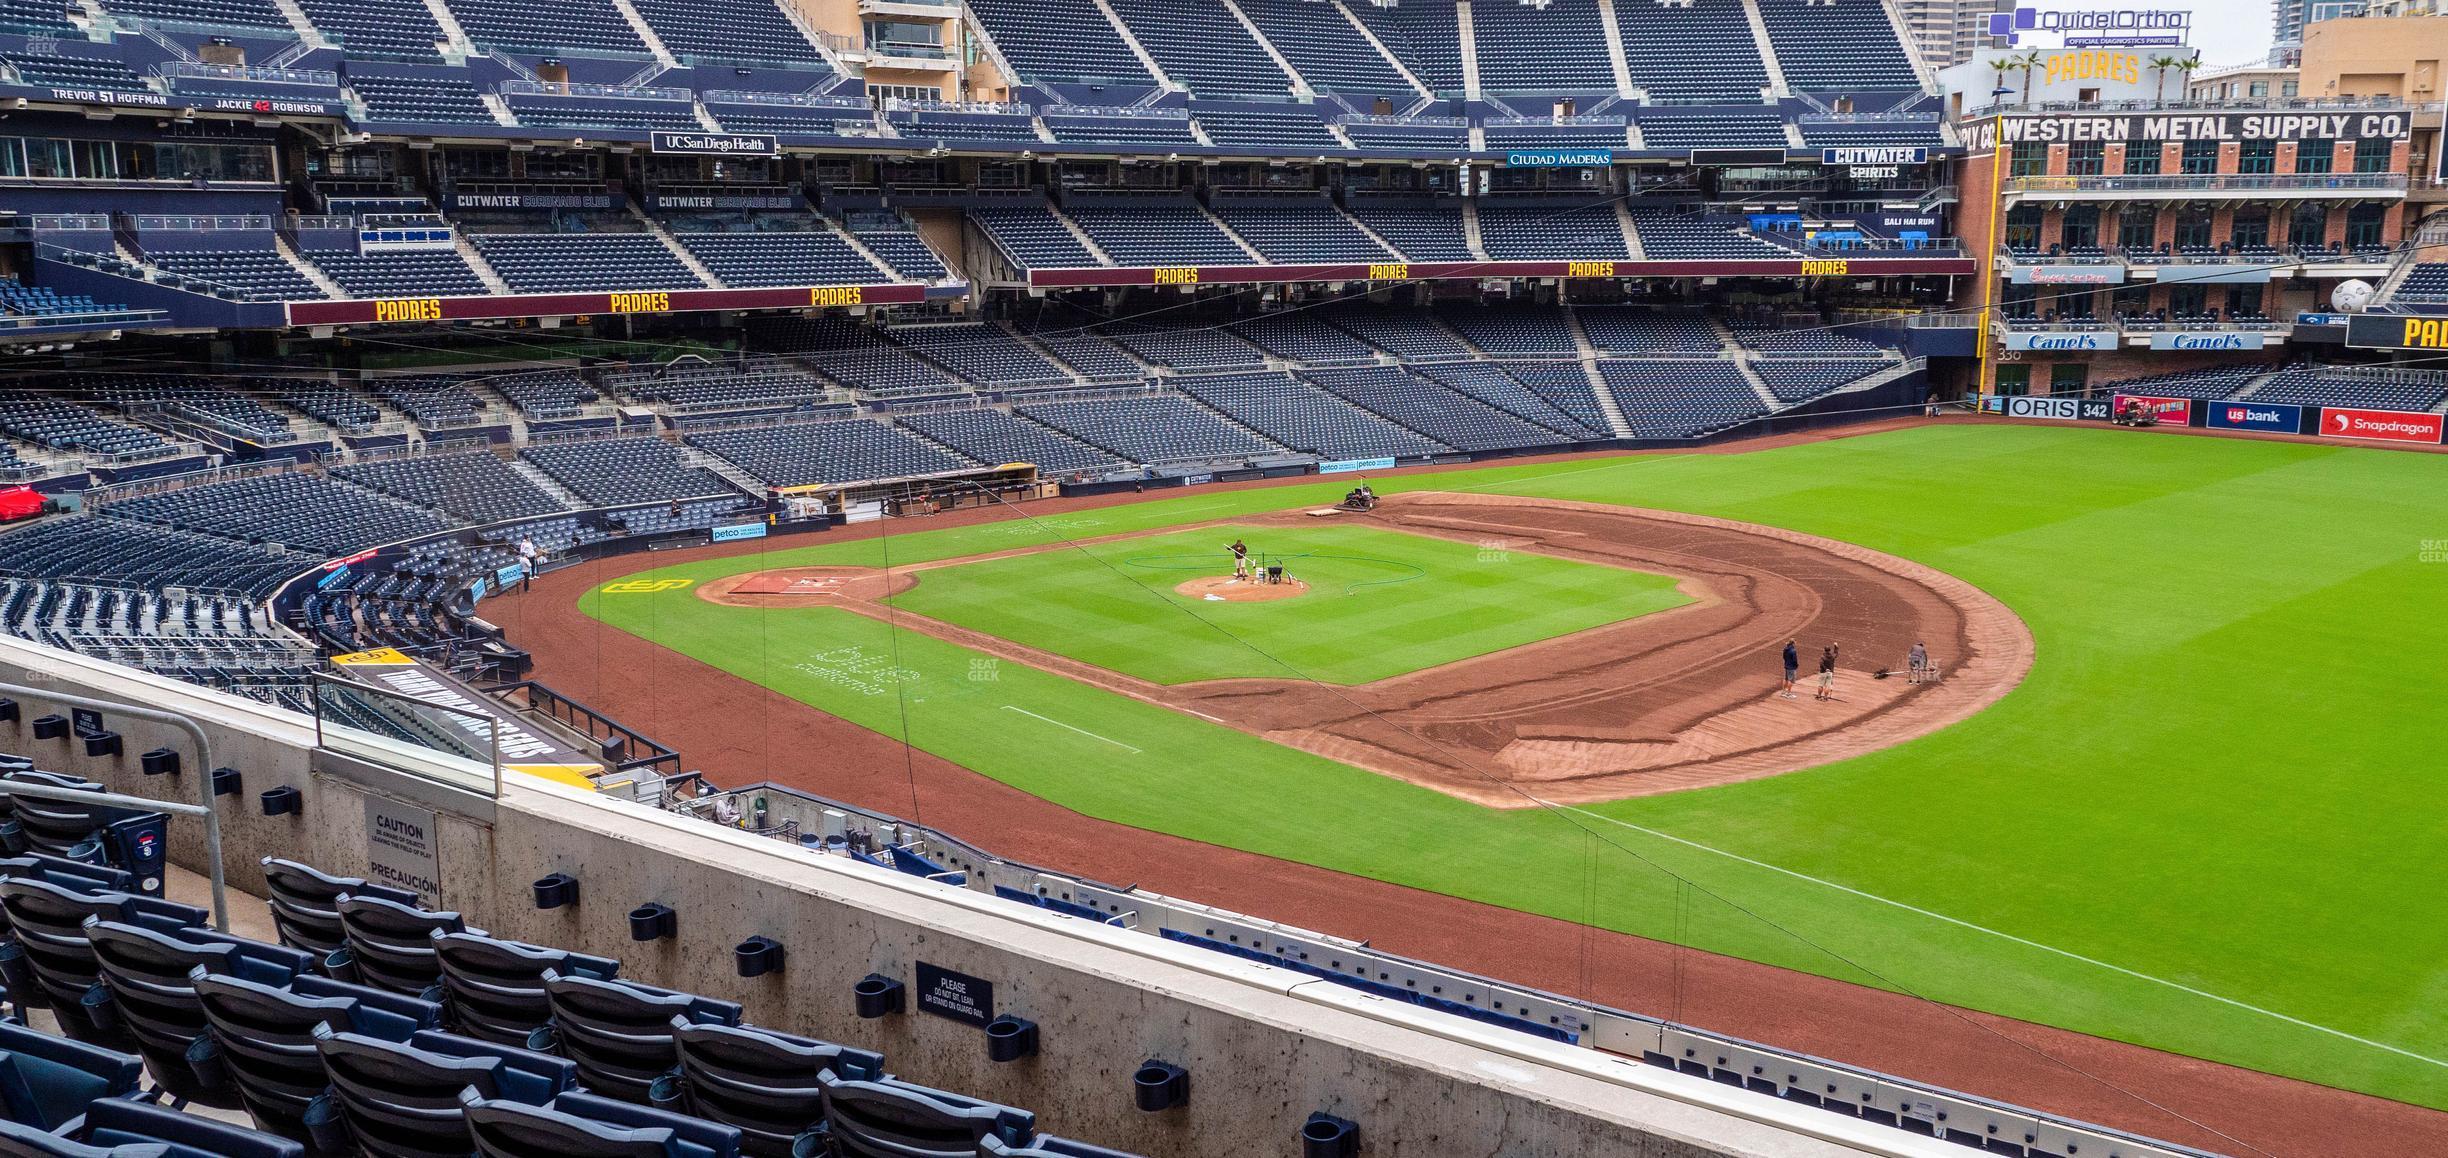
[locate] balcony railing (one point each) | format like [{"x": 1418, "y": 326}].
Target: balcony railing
[
  {"x": 602, "y": 91},
  {"x": 2183, "y": 104},
  {"x": 2196, "y": 183},
  {"x": 176, "y": 70}
]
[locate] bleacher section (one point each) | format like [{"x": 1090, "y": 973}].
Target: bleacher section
[
  {"x": 1054, "y": 43},
  {"x": 292, "y": 510},
  {"x": 548, "y": 27},
  {"x": 1159, "y": 428},
  {"x": 257, "y": 275},
  {"x": 432, "y": 273},
  {"x": 1692, "y": 52},
  {"x": 1427, "y": 34},
  {"x": 1291, "y": 129},
  {"x": 993, "y": 436},
  {"x": 1837, "y": 45},
  {"x": 421, "y": 99},
  {"x": 1421, "y": 233},
  {"x": 1440, "y": 412},
  {"x": 1157, "y": 234},
  {"x": 1200, "y": 45},
  {"x": 1679, "y": 399},
  {"x": 1556, "y": 47},
  {"x": 980, "y": 353},
  {"x": 1545, "y": 230},
  {"x": 768, "y": 257},
  {"x": 1306, "y": 419},
  {"x": 612, "y": 472},
  {"x": 1324, "y": 47},
  {"x": 478, "y": 487},
  {"x": 753, "y": 31},
  {"x": 1032, "y": 236},
  {"x": 828, "y": 452},
  {"x": 1291, "y": 231},
  {"x": 564, "y": 262}
]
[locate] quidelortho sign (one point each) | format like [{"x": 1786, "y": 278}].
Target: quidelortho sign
[{"x": 2061, "y": 340}]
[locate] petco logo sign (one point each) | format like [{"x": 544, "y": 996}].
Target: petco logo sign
[
  {"x": 2095, "y": 25},
  {"x": 2380, "y": 425}
]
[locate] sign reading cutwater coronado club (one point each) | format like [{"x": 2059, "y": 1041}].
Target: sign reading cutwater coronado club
[{"x": 717, "y": 144}]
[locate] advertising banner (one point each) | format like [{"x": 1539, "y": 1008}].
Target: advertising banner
[
  {"x": 2058, "y": 408},
  {"x": 2171, "y": 411},
  {"x": 1348, "y": 465},
  {"x": 2178, "y": 340},
  {"x": 738, "y": 531},
  {"x": 1560, "y": 158},
  {"x": 716, "y": 144},
  {"x": 2095, "y": 273},
  {"x": 2380, "y": 425},
  {"x": 2266, "y": 417},
  {"x": 2397, "y": 332},
  {"x": 1874, "y": 155},
  {"x": 2061, "y": 339}
]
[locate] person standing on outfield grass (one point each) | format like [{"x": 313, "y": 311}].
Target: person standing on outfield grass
[
  {"x": 1916, "y": 662},
  {"x": 1793, "y": 666},
  {"x": 1827, "y": 674}
]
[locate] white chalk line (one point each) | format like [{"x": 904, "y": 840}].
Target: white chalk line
[
  {"x": 1066, "y": 727},
  {"x": 2025, "y": 941}
]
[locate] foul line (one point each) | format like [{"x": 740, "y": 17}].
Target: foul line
[
  {"x": 1082, "y": 731},
  {"x": 2073, "y": 956}
]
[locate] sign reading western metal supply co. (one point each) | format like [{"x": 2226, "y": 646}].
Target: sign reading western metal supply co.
[
  {"x": 1559, "y": 158},
  {"x": 2369, "y": 125},
  {"x": 717, "y": 144}
]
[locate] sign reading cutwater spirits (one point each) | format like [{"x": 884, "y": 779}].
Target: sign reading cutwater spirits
[
  {"x": 716, "y": 144},
  {"x": 1874, "y": 155}
]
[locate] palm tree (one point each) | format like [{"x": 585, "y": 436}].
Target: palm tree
[
  {"x": 2186, "y": 66},
  {"x": 2027, "y": 64},
  {"x": 2161, "y": 65}
]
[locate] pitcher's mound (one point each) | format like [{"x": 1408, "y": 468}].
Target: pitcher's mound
[{"x": 1227, "y": 589}]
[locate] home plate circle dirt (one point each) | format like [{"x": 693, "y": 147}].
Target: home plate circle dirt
[
  {"x": 806, "y": 586},
  {"x": 1226, "y": 589}
]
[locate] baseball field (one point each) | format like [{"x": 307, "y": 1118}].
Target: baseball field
[{"x": 2210, "y": 816}]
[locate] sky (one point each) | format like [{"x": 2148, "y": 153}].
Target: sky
[{"x": 2227, "y": 31}]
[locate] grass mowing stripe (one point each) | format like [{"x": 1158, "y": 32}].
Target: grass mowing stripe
[{"x": 2218, "y": 773}]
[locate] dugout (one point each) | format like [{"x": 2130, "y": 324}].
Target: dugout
[{"x": 948, "y": 490}]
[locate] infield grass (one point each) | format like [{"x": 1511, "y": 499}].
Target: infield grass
[
  {"x": 1380, "y": 603},
  {"x": 2213, "y": 819}
]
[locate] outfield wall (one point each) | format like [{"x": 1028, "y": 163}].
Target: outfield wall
[{"x": 1264, "y": 1046}]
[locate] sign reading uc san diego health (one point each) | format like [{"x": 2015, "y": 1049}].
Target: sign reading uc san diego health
[
  {"x": 1559, "y": 158},
  {"x": 717, "y": 144}
]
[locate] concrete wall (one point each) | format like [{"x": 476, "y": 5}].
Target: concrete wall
[{"x": 1264, "y": 1047}]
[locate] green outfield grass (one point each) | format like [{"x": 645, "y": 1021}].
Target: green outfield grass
[
  {"x": 1381, "y": 603},
  {"x": 2212, "y": 820}
]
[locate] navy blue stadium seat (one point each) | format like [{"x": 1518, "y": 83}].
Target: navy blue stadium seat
[
  {"x": 49, "y": 1082},
  {"x": 619, "y": 1033},
  {"x": 581, "y": 1124},
  {"x": 149, "y": 978},
  {"x": 305, "y": 903},
  {"x": 401, "y": 1099},
  {"x": 493, "y": 990},
  {"x": 261, "y": 1038},
  {"x": 50, "y": 963},
  {"x": 389, "y": 944},
  {"x": 763, "y": 1082},
  {"x": 123, "y": 1129},
  {"x": 885, "y": 1117}
]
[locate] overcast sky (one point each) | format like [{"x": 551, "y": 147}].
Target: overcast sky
[{"x": 2227, "y": 31}]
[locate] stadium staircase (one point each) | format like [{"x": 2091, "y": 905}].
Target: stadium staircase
[
  {"x": 747, "y": 483},
  {"x": 1470, "y": 58},
  {"x": 1227, "y": 231},
  {"x": 2258, "y": 381},
  {"x": 654, "y": 44},
  {"x": 449, "y": 23},
  {"x": 1147, "y": 60},
  {"x": 860, "y": 247},
  {"x": 307, "y": 269},
  {"x": 484, "y": 273},
  {"x": 1081, "y": 235},
  {"x": 1300, "y": 84},
  {"x": 547, "y": 483},
  {"x": 1631, "y": 232},
  {"x": 1615, "y": 50},
  {"x": 1587, "y": 356},
  {"x": 308, "y": 35},
  {"x": 1767, "y": 50},
  {"x": 1759, "y": 385},
  {"x": 655, "y": 229},
  {"x": 1470, "y": 222},
  {"x": 1375, "y": 236},
  {"x": 1370, "y": 34},
  {"x": 500, "y": 109}
]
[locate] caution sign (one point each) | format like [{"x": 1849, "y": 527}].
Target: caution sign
[
  {"x": 402, "y": 848},
  {"x": 379, "y": 657}
]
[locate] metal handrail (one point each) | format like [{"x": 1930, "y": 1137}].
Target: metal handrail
[{"x": 204, "y": 793}]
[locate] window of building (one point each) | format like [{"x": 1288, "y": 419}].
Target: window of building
[
  {"x": 2258, "y": 157},
  {"x": 2200, "y": 157},
  {"x": 2364, "y": 224},
  {"x": 2251, "y": 228},
  {"x": 2142, "y": 159},
  {"x": 2013, "y": 381},
  {"x": 2372, "y": 156},
  {"x": 2086, "y": 158},
  {"x": 2309, "y": 227},
  {"x": 2244, "y": 300},
  {"x": 2069, "y": 377},
  {"x": 2081, "y": 226},
  {"x": 2023, "y": 226},
  {"x": 2030, "y": 159},
  {"x": 2193, "y": 225},
  {"x": 2316, "y": 156},
  {"x": 2289, "y": 89},
  {"x": 2260, "y": 88},
  {"x": 2188, "y": 301},
  {"x": 2138, "y": 228}
]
